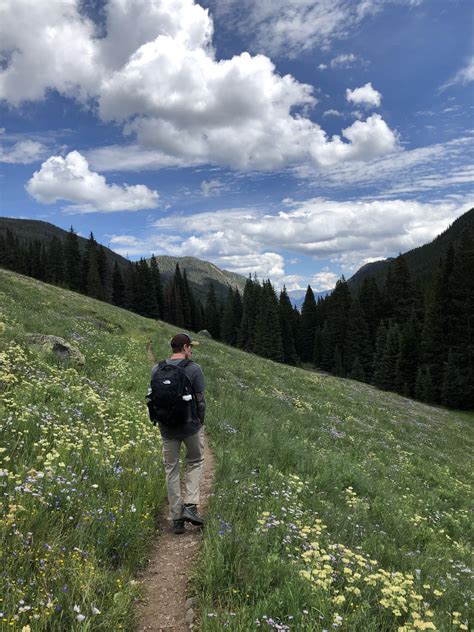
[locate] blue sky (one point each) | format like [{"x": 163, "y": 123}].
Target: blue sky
[{"x": 298, "y": 140}]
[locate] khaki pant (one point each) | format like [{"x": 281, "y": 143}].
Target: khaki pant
[{"x": 194, "y": 465}]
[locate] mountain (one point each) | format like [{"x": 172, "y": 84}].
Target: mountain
[
  {"x": 297, "y": 296},
  {"x": 421, "y": 261},
  {"x": 32, "y": 229},
  {"x": 200, "y": 273}
]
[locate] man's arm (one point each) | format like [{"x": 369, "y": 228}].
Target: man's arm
[{"x": 201, "y": 406}]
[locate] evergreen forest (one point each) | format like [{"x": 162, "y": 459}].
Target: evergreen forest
[{"x": 410, "y": 336}]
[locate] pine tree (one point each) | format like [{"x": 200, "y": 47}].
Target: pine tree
[
  {"x": 327, "y": 348},
  {"x": 91, "y": 283},
  {"x": 370, "y": 300},
  {"x": 407, "y": 363},
  {"x": 381, "y": 342},
  {"x": 424, "y": 385},
  {"x": 286, "y": 327},
  {"x": 118, "y": 287},
  {"x": 452, "y": 390},
  {"x": 55, "y": 261},
  {"x": 102, "y": 268},
  {"x": 357, "y": 342},
  {"x": 318, "y": 347},
  {"x": 269, "y": 342},
  {"x": 212, "y": 320},
  {"x": 247, "y": 335},
  {"x": 308, "y": 326},
  {"x": 184, "y": 292},
  {"x": 145, "y": 296},
  {"x": 237, "y": 314},
  {"x": 399, "y": 291},
  {"x": 462, "y": 321},
  {"x": 193, "y": 313},
  {"x": 357, "y": 370},
  {"x": 337, "y": 309},
  {"x": 157, "y": 286},
  {"x": 228, "y": 325},
  {"x": 73, "y": 261}
]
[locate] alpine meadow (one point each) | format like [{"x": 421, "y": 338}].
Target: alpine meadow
[{"x": 336, "y": 506}]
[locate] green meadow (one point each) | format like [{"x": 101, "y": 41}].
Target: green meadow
[{"x": 336, "y": 506}]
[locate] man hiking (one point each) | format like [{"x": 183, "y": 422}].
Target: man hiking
[{"x": 180, "y": 416}]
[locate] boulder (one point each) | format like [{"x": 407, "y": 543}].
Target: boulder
[
  {"x": 62, "y": 349},
  {"x": 204, "y": 333}
]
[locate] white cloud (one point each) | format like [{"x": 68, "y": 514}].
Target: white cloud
[
  {"x": 282, "y": 28},
  {"x": 348, "y": 233},
  {"x": 46, "y": 45},
  {"x": 332, "y": 113},
  {"x": 210, "y": 188},
  {"x": 131, "y": 158},
  {"x": 71, "y": 179},
  {"x": 463, "y": 76},
  {"x": 324, "y": 280},
  {"x": 322, "y": 67},
  {"x": 22, "y": 152},
  {"x": 345, "y": 60},
  {"x": 365, "y": 95},
  {"x": 162, "y": 83},
  {"x": 441, "y": 167}
]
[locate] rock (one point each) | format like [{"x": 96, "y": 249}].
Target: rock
[
  {"x": 204, "y": 333},
  {"x": 190, "y": 602},
  {"x": 62, "y": 349},
  {"x": 189, "y": 615}
]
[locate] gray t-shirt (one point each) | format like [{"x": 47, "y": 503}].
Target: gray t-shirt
[{"x": 193, "y": 423}]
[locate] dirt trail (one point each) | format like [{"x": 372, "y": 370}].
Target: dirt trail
[{"x": 167, "y": 605}]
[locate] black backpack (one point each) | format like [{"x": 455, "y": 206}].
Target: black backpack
[{"x": 171, "y": 394}]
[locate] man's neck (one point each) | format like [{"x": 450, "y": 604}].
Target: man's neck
[{"x": 178, "y": 356}]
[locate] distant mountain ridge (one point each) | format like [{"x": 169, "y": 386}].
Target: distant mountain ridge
[
  {"x": 32, "y": 229},
  {"x": 421, "y": 261},
  {"x": 200, "y": 273}
]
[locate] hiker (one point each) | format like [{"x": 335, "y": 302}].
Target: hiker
[{"x": 185, "y": 425}]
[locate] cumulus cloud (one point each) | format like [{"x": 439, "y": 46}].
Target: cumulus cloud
[
  {"x": 22, "y": 152},
  {"x": 162, "y": 83},
  {"x": 71, "y": 179},
  {"x": 324, "y": 280},
  {"x": 441, "y": 168},
  {"x": 349, "y": 233},
  {"x": 464, "y": 76},
  {"x": 365, "y": 95}
]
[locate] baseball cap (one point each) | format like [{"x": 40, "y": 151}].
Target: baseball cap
[{"x": 181, "y": 339}]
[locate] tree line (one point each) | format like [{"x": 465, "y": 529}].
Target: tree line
[{"x": 403, "y": 337}]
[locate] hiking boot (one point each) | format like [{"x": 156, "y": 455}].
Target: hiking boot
[
  {"x": 178, "y": 526},
  {"x": 190, "y": 514}
]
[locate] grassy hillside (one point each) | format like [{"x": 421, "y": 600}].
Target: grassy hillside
[{"x": 336, "y": 506}]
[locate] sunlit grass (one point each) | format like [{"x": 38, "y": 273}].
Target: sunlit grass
[{"x": 336, "y": 506}]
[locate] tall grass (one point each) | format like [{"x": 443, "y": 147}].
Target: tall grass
[
  {"x": 80, "y": 465},
  {"x": 336, "y": 506}
]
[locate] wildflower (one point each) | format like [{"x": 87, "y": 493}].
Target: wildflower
[{"x": 80, "y": 617}]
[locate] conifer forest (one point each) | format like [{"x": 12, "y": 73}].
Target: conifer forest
[{"x": 410, "y": 336}]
